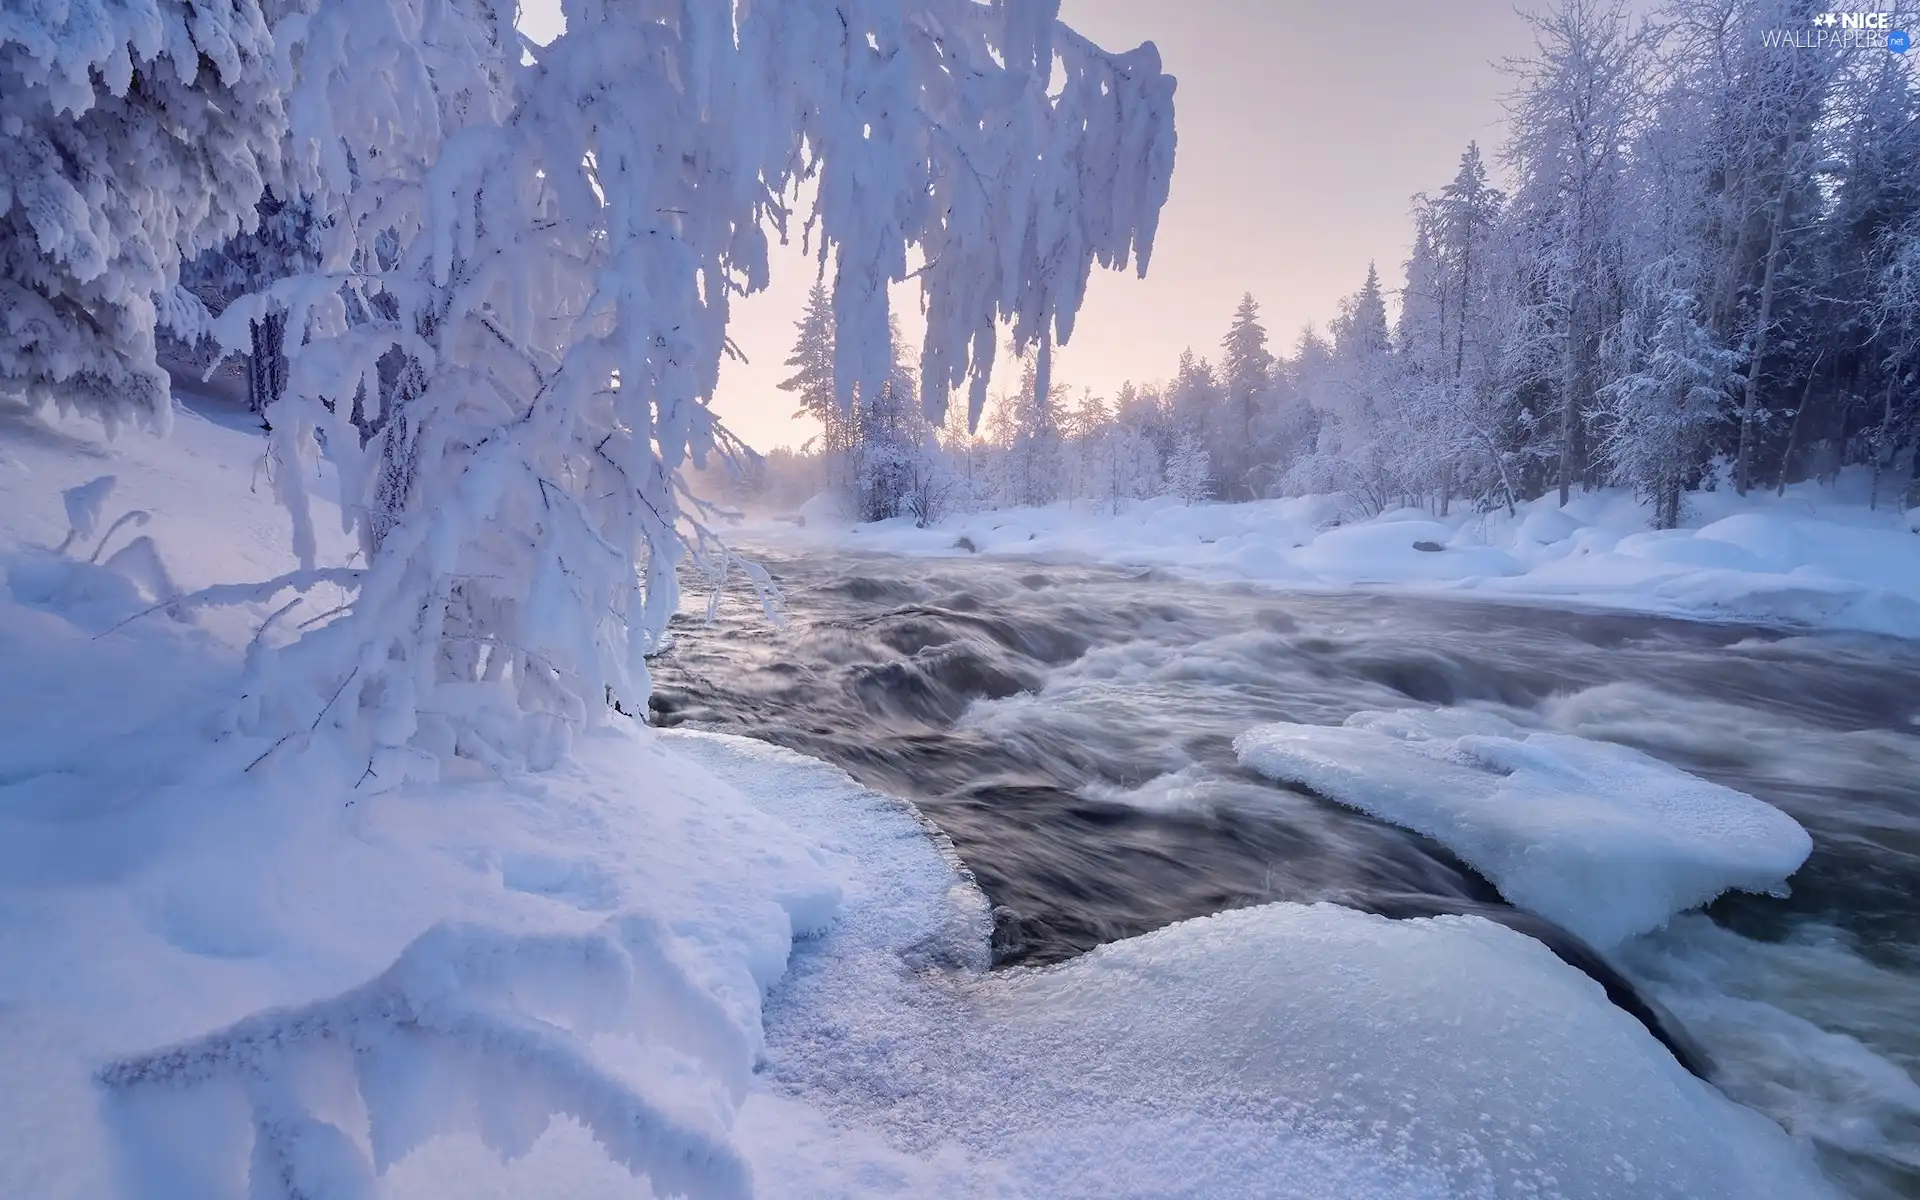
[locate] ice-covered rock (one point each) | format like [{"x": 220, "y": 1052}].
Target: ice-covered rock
[{"x": 1601, "y": 839}]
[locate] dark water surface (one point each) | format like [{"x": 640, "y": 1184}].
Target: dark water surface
[{"x": 1071, "y": 727}]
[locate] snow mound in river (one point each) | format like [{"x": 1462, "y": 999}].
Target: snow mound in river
[
  {"x": 1447, "y": 1056},
  {"x": 1601, "y": 839}
]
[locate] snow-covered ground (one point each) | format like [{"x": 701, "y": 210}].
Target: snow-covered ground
[
  {"x": 715, "y": 965},
  {"x": 1818, "y": 557}
]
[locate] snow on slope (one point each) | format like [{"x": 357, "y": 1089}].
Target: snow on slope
[
  {"x": 715, "y": 963},
  {"x": 1816, "y": 557},
  {"x": 1600, "y": 839},
  {"x": 203, "y": 967}
]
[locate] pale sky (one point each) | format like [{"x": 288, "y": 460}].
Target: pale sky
[{"x": 1304, "y": 131}]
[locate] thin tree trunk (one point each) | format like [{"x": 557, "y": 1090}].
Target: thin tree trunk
[
  {"x": 267, "y": 364},
  {"x": 1459, "y": 349},
  {"x": 1743, "y": 468},
  {"x": 1569, "y": 405},
  {"x": 277, "y": 354},
  {"x": 1793, "y": 431},
  {"x": 256, "y": 370},
  {"x": 1884, "y": 454}
]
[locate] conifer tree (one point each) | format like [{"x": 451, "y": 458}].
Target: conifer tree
[
  {"x": 1246, "y": 370},
  {"x": 812, "y": 384}
]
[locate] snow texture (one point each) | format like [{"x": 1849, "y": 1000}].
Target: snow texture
[{"x": 1603, "y": 840}]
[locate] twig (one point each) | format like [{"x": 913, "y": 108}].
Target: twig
[
  {"x": 224, "y": 595},
  {"x": 280, "y": 741},
  {"x": 321, "y": 715}
]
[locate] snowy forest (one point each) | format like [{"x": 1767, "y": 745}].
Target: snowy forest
[{"x": 1693, "y": 263}]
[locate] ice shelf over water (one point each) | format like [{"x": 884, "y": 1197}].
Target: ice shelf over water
[{"x": 1601, "y": 839}]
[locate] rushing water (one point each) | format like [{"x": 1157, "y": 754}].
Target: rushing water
[{"x": 1070, "y": 729}]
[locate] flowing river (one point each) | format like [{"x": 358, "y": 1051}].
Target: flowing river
[{"x": 1071, "y": 727}]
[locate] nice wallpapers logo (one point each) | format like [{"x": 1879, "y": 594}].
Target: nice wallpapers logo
[{"x": 1844, "y": 31}]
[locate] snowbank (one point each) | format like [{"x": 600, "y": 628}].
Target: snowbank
[
  {"x": 1816, "y": 557},
  {"x": 202, "y": 972},
  {"x": 1603, "y": 840},
  {"x": 212, "y": 966}
]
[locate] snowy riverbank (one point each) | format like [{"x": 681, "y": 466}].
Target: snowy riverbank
[
  {"x": 721, "y": 966},
  {"x": 1815, "y": 557}
]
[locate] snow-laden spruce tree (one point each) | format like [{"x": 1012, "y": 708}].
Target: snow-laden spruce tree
[
  {"x": 1577, "y": 101},
  {"x": 132, "y": 135},
  {"x": 1133, "y": 468},
  {"x": 812, "y": 385},
  {"x": 1673, "y": 387},
  {"x": 1361, "y": 446},
  {"x": 553, "y": 246},
  {"x": 1189, "y": 476},
  {"x": 1032, "y": 464},
  {"x": 1196, "y": 404},
  {"x": 1246, "y": 374},
  {"x": 893, "y": 436},
  {"x": 1896, "y": 315},
  {"x": 1086, "y": 427}
]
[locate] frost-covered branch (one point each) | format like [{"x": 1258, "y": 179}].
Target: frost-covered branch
[
  {"x": 525, "y": 287},
  {"x": 470, "y": 1028}
]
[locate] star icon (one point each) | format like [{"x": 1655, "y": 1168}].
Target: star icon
[{"x": 1827, "y": 18}]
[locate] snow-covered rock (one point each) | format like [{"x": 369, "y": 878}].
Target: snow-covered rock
[
  {"x": 1407, "y": 549},
  {"x": 1315, "y": 1051},
  {"x": 1544, "y": 527},
  {"x": 1600, "y": 839}
]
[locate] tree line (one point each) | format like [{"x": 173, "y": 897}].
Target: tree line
[{"x": 1693, "y": 263}]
